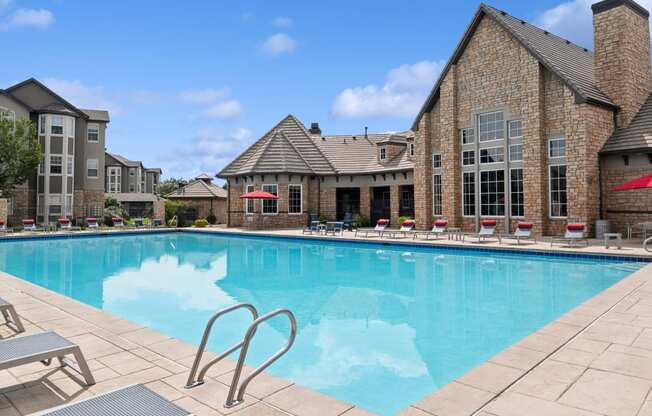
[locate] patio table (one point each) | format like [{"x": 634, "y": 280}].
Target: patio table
[{"x": 641, "y": 228}]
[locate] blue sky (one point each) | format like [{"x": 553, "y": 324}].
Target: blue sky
[{"x": 190, "y": 84}]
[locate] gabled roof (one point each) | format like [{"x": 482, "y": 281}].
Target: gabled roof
[
  {"x": 11, "y": 90},
  {"x": 198, "y": 189},
  {"x": 96, "y": 115},
  {"x": 636, "y": 136},
  {"x": 124, "y": 161},
  {"x": 572, "y": 63}
]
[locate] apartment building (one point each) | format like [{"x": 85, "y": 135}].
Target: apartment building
[{"x": 132, "y": 184}]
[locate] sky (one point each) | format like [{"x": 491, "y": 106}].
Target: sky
[{"x": 189, "y": 85}]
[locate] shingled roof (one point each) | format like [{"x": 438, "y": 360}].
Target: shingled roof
[
  {"x": 198, "y": 189},
  {"x": 637, "y": 136},
  {"x": 572, "y": 63}
]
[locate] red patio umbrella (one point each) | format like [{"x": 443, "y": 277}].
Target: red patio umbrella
[
  {"x": 639, "y": 183},
  {"x": 258, "y": 195}
]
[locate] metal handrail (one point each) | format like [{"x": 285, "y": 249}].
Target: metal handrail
[
  {"x": 192, "y": 381},
  {"x": 646, "y": 242},
  {"x": 230, "y": 402}
]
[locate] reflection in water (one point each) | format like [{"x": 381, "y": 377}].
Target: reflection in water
[{"x": 378, "y": 327}]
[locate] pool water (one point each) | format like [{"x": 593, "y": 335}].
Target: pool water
[{"x": 379, "y": 326}]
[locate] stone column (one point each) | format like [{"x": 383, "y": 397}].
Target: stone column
[
  {"x": 4, "y": 204},
  {"x": 365, "y": 201},
  {"x": 394, "y": 204},
  {"x": 423, "y": 174},
  {"x": 450, "y": 150}
]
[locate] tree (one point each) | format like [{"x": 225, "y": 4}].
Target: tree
[
  {"x": 20, "y": 153},
  {"x": 170, "y": 185}
]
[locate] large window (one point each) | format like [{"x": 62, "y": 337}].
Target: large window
[
  {"x": 467, "y": 137},
  {"x": 491, "y": 126},
  {"x": 114, "y": 180},
  {"x": 295, "y": 199},
  {"x": 516, "y": 153},
  {"x": 56, "y": 165},
  {"x": 436, "y": 160},
  {"x": 56, "y": 125},
  {"x": 436, "y": 195},
  {"x": 468, "y": 158},
  {"x": 70, "y": 165},
  {"x": 468, "y": 193},
  {"x": 93, "y": 132},
  {"x": 249, "y": 203},
  {"x": 492, "y": 193},
  {"x": 492, "y": 155},
  {"x": 270, "y": 206},
  {"x": 558, "y": 203},
  {"x": 516, "y": 192},
  {"x": 92, "y": 168}
]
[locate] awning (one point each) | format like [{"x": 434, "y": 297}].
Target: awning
[
  {"x": 640, "y": 183},
  {"x": 258, "y": 195}
]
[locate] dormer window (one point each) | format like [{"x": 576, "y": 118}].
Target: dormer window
[
  {"x": 412, "y": 149},
  {"x": 382, "y": 153}
]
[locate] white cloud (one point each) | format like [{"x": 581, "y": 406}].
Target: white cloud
[
  {"x": 205, "y": 96},
  {"x": 402, "y": 94},
  {"x": 573, "y": 20},
  {"x": 225, "y": 110},
  {"x": 37, "y": 18},
  {"x": 279, "y": 43},
  {"x": 81, "y": 95},
  {"x": 282, "y": 21}
]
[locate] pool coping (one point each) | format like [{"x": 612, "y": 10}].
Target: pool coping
[{"x": 473, "y": 391}]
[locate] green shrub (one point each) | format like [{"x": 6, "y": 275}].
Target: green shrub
[
  {"x": 171, "y": 208},
  {"x": 402, "y": 219},
  {"x": 201, "y": 223},
  {"x": 172, "y": 222},
  {"x": 362, "y": 220},
  {"x": 212, "y": 219}
]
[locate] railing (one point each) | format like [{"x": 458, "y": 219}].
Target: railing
[{"x": 645, "y": 244}]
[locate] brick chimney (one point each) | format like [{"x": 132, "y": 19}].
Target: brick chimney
[{"x": 621, "y": 34}]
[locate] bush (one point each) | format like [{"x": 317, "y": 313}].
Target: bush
[
  {"x": 172, "y": 222},
  {"x": 362, "y": 221},
  {"x": 171, "y": 208},
  {"x": 212, "y": 219},
  {"x": 201, "y": 223},
  {"x": 402, "y": 219}
]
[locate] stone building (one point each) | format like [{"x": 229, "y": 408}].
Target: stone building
[
  {"x": 525, "y": 125},
  {"x": 203, "y": 195},
  {"x": 328, "y": 176}
]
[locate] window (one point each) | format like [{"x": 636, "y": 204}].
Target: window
[
  {"x": 270, "y": 206},
  {"x": 92, "y": 168},
  {"x": 249, "y": 204},
  {"x": 7, "y": 114},
  {"x": 54, "y": 209},
  {"x": 516, "y": 153},
  {"x": 41, "y": 167},
  {"x": 492, "y": 155},
  {"x": 436, "y": 195},
  {"x": 41, "y": 128},
  {"x": 412, "y": 149},
  {"x": 70, "y": 165},
  {"x": 515, "y": 129},
  {"x": 436, "y": 160},
  {"x": 492, "y": 126},
  {"x": 93, "y": 132},
  {"x": 56, "y": 165},
  {"x": 516, "y": 192},
  {"x": 557, "y": 148},
  {"x": 56, "y": 127},
  {"x": 468, "y": 158},
  {"x": 558, "y": 205},
  {"x": 383, "y": 153},
  {"x": 468, "y": 193},
  {"x": 492, "y": 193},
  {"x": 132, "y": 172},
  {"x": 467, "y": 136},
  {"x": 114, "y": 179},
  {"x": 132, "y": 188},
  {"x": 295, "y": 200}
]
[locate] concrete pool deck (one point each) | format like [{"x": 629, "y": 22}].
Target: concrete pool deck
[{"x": 594, "y": 360}]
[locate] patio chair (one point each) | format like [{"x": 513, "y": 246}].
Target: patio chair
[
  {"x": 157, "y": 222},
  {"x": 11, "y": 317},
  {"x": 487, "y": 230},
  {"x": 3, "y": 227},
  {"x": 438, "y": 228},
  {"x": 523, "y": 232},
  {"x": 313, "y": 227},
  {"x": 138, "y": 222},
  {"x": 66, "y": 225},
  {"x": 378, "y": 230},
  {"x": 406, "y": 228},
  {"x": 29, "y": 225},
  {"x": 574, "y": 232},
  {"x": 334, "y": 228},
  {"x": 134, "y": 400},
  {"x": 349, "y": 222},
  {"x": 118, "y": 222},
  {"x": 91, "y": 222},
  {"x": 42, "y": 347}
]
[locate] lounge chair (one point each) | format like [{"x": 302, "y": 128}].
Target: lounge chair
[
  {"x": 10, "y": 315},
  {"x": 157, "y": 222},
  {"x": 438, "y": 228},
  {"x": 487, "y": 230},
  {"x": 523, "y": 232},
  {"x": 574, "y": 232},
  {"x": 334, "y": 228},
  {"x": 134, "y": 400},
  {"x": 379, "y": 229},
  {"x": 118, "y": 222},
  {"x": 312, "y": 228},
  {"x": 349, "y": 222},
  {"x": 29, "y": 225},
  {"x": 138, "y": 222},
  {"x": 42, "y": 347},
  {"x": 91, "y": 222},
  {"x": 406, "y": 228},
  {"x": 3, "y": 227},
  {"x": 66, "y": 224}
]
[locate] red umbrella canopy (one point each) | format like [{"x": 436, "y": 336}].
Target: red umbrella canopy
[
  {"x": 258, "y": 195},
  {"x": 642, "y": 182}
]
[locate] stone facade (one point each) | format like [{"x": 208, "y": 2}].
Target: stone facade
[
  {"x": 206, "y": 206},
  {"x": 87, "y": 204},
  {"x": 4, "y": 203}
]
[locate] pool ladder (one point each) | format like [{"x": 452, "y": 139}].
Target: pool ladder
[
  {"x": 646, "y": 242},
  {"x": 236, "y": 395}
]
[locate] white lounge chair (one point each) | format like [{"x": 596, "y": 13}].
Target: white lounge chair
[
  {"x": 29, "y": 225},
  {"x": 438, "y": 228},
  {"x": 3, "y": 227},
  {"x": 487, "y": 230},
  {"x": 91, "y": 222},
  {"x": 574, "y": 232},
  {"x": 11, "y": 317},
  {"x": 379, "y": 229},
  {"x": 135, "y": 400},
  {"x": 312, "y": 228},
  {"x": 406, "y": 228},
  {"x": 66, "y": 225},
  {"x": 42, "y": 347},
  {"x": 523, "y": 232}
]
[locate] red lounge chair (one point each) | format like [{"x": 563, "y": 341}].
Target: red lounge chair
[
  {"x": 523, "y": 232},
  {"x": 3, "y": 227},
  {"x": 381, "y": 225},
  {"x": 406, "y": 228},
  {"x": 29, "y": 225},
  {"x": 64, "y": 223},
  {"x": 117, "y": 222},
  {"x": 574, "y": 232},
  {"x": 438, "y": 228},
  {"x": 91, "y": 222},
  {"x": 487, "y": 230}
]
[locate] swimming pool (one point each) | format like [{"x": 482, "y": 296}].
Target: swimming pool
[{"x": 379, "y": 326}]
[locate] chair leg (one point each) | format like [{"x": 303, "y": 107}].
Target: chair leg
[
  {"x": 83, "y": 366},
  {"x": 16, "y": 319}
]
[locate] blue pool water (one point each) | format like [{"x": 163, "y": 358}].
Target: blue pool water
[{"x": 378, "y": 326}]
